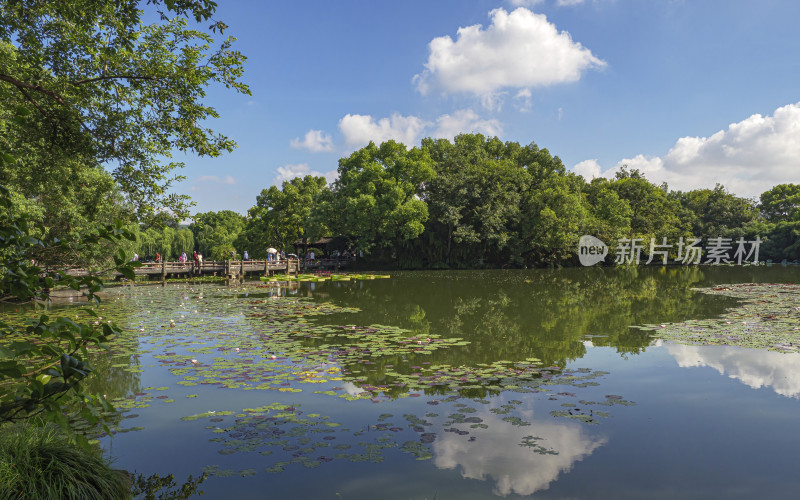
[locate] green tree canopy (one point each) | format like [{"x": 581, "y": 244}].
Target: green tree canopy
[
  {"x": 555, "y": 218},
  {"x": 712, "y": 212},
  {"x": 282, "y": 216},
  {"x": 610, "y": 216},
  {"x": 376, "y": 199},
  {"x": 474, "y": 199},
  {"x": 43, "y": 364},
  {"x": 484, "y": 202},
  {"x": 100, "y": 85},
  {"x": 781, "y": 203},
  {"x": 215, "y": 233},
  {"x": 652, "y": 213}
]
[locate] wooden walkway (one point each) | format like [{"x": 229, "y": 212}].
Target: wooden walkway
[{"x": 228, "y": 268}]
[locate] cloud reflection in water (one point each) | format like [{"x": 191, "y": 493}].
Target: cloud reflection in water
[
  {"x": 754, "y": 367},
  {"x": 496, "y": 453}
]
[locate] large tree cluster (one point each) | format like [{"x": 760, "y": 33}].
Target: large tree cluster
[{"x": 480, "y": 202}]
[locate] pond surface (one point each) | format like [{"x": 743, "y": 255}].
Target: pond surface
[{"x": 459, "y": 385}]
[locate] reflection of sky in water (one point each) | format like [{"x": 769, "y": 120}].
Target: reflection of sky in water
[
  {"x": 351, "y": 388},
  {"x": 742, "y": 452},
  {"x": 496, "y": 453},
  {"x": 755, "y": 368}
]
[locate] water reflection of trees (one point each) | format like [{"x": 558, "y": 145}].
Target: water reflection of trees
[
  {"x": 544, "y": 314},
  {"x": 113, "y": 381}
]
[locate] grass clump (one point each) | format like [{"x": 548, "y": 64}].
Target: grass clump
[{"x": 43, "y": 463}]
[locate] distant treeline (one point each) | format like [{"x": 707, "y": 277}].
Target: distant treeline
[
  {"x": 481, "y": 202},
  {"x": 471, "y": 202}
]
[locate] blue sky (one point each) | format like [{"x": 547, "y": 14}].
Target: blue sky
[{"x": 692, "y": 93}]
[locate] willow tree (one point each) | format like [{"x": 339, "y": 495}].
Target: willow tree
[
  {"x": 147, "y": 243},
  {"x": 184, "y": 241},
  {"x": 215, "y": 233}
]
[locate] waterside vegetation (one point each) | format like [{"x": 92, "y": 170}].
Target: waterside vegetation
[
  {"x": 94, "y": 98},
  {"x": 479, "y": 202}
]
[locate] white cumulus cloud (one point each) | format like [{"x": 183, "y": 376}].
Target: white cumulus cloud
[
  {"x": 213, "y": 178},
  {"x": 358, "y": 130},
  {"x": 589, "y": 169},
  {"x": 519, "y": 49},
  {"x": 524, "y": 3},
  {"x": 465, "y": 121},
  {"x": 748, "y": 158},
  {"x": 290, "y": 171},
  {"x": 315, "y": 141}
]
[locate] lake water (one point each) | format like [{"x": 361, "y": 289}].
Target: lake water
[{"x": 454, "y": 385}]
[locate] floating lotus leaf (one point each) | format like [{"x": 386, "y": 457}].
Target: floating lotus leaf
[
  {"x": 244, "y": 340},
  {"x": 767, "y": 317}
]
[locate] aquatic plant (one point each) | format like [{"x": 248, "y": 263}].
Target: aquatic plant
[
  {"x": 44, "y": 463},
  {"x": 767, "y": 317}
]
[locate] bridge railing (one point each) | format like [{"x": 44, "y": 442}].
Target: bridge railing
[{"x": 177, "y": 267}]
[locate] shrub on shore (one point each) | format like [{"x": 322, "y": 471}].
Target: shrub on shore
[{"x": 44, "y": 463}]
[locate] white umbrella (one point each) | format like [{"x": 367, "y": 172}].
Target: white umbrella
[{"x": 271, "y": 250}]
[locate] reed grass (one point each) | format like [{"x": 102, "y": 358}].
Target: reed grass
[{"x": 43, "y": 463}]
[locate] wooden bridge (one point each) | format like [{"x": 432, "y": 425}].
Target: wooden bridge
[{"x": 231, "y": 269}]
